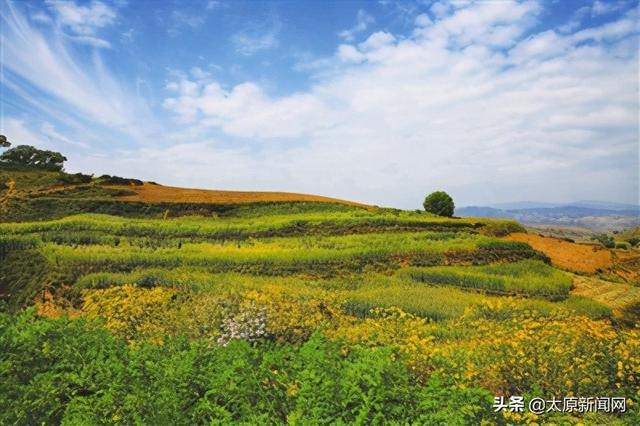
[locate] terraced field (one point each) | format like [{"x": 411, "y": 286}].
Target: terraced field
[{"x": 311, "y": 310}]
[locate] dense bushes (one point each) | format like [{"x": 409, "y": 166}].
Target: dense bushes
[
  {"x": 117, "y": 180},
  {"x": 74, "y": 178},
  {"x": 23, "y": 275},
  {"x": 605, "y": 240},
  {"x": 333, "y": 315},
  {"x": 71, "y": 371}
]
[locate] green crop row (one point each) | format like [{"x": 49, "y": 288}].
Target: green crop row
[
  {"x": 360, "y": 293},
  {"x": 529, "y": 277},
  {"x": 198, "y": 228}
]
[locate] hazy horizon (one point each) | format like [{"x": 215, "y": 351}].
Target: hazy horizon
[{"x": 377, "y": 102}]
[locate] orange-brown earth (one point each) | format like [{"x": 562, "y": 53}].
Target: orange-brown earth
[
  {"x": 566, "y": 255},
  {"x": 584, "y": 258},
  {"x": 151, "y": 193}
]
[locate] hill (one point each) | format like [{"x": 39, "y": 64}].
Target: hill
[
  {"x": 35, "y": 194},
  {"x": 587, "y": 204},
  {"x": 592, "y": 215},
  {"x": 128, "y": 302},
  {"x": 154, "y": 193}
]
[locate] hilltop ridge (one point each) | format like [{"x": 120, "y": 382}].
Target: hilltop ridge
[{"x": 28, "y": 194}]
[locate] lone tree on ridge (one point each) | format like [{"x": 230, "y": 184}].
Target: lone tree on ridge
[{"x": 439, "y": 203}]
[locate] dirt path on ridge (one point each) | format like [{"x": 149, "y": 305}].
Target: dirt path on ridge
[{"x": 11, "y": 184}]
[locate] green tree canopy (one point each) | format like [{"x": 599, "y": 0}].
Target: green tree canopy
[
  {"x": 29, "y": 156},
  {"x": 439, "y": 203},
  {"x": 4, "y": 142}
]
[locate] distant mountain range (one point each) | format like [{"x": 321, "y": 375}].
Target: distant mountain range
[
  {"x": 598, "y": 205},
  {"x": 594, "y": 215}
]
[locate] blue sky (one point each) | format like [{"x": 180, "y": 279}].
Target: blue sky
[{"x": 376, "y": 101}]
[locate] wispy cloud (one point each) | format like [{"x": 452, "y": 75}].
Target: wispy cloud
[
  {"x": 41, "y": 67},
  {"x": 50, "y": 131},
  {"x": 605, "y": 7},
  {"x": 181, "y": 19},
  {"x": 256, "y": 37},
  {"x": 363, "y": 20},
  {"x": 82, "y": 23},
  {"x": 191, "y": 18},
  {"x": 214, "y": 4}
]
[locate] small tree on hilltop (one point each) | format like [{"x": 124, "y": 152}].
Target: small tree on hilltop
[
  {"x": 439, "y": 203},
  {"x": 4, "y": 143}
]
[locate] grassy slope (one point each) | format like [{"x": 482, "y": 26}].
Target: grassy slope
[
  {"x": 87, "y": 237},
  {"x": 37, "y": 195}
]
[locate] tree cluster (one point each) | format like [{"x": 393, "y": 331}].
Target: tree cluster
[{"x": 29, "y": 156}]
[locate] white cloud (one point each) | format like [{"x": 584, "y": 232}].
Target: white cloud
[
  {"x": 83, "y": 22},
  {"x": 348, "y": 53},
  {"x": 18, "y": 132},
  {"x": 423, "y": 20},
  {"x": 491, "y": 23},
  {"x": 127, "y": 36},
  {"x": 50, "y": 132},
  {"x": 540, "y": 46},
  {"x": 469, "y": 104},
  {"x": 441, "y": 8},
  {"x": 377, "y": 41},
  {"x": 246, "y": 111},
  {"x": 92, "y": 41},
  {"x": 41, "y": 17},
  {"x": 257, "y": 37},
  {"x": 476, "y": 102},
  {"x": 626, "y": 26},
  {"x": 576, "y": 20},
  {"x": 605, "y": 7},
  {"x": 181, "y": 19},
  {"x": 363, "y": 20},
  {"x": 76, "y": 91}
]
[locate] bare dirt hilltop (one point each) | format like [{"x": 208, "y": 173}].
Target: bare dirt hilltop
[{"x": 152, "y": 193}]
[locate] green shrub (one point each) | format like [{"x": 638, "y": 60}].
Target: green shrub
[
  {"x": 605, "y": 240},
  {"x": 117, "y": 180},
  {"x": 439, "y": 203},
  {"x": 73, "y": 372},
  {"x": 501, "y": 228},
  {"x": 75, "y": 178}
]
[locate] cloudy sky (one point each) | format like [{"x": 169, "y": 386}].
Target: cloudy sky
[{"x": 380, "y": 102}]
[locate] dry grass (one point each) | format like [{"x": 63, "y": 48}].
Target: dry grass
[
  {"x": 11, "y": 184},
  {"x": 586, "y": 258},
  {"x": 570, "y": 256},
  {"x": 150, "y": 193},
  {"x": 615, "y": 295}
]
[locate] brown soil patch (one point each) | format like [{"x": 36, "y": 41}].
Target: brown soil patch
[
  {"x": 570, "y": 256},
  {"x": 11, "y": 184},
  {"x": 150, "y": 193}
]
